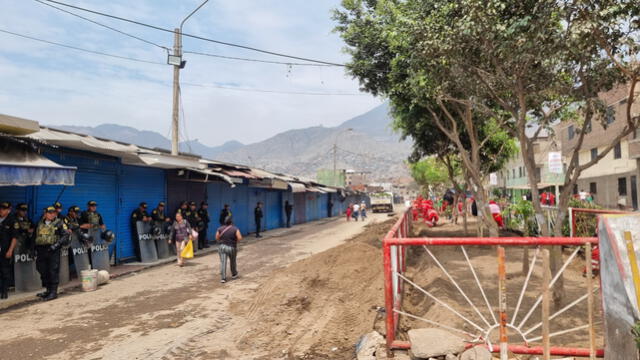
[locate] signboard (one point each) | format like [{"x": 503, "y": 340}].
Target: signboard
[
  {"x": 148, "y": 252},
  {"x": 493, "y": 179},
  {"x": 24, "y": 265},
  {"x": 555, "y": 162}
]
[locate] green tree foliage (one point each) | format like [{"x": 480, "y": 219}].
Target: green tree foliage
[{"x": 430, "y": 173}]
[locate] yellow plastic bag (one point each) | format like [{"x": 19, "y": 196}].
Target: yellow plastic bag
[{"x": 187, "y": 252}]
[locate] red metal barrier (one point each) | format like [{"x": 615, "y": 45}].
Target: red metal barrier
[{"x": 394, "y": 251}]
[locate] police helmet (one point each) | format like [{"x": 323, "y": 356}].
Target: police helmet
[
  {"x": 108, "y": 236},
  {"x": 86, "y": 239},
  {"x": 22, "y": 207},
  {"x": 57, "y": 205}
]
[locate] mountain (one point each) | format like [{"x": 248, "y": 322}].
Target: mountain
[
  {"x": 364, "y": 143},
  {"x": 150, "y": 139}
]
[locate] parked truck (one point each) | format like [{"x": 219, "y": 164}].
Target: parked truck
[{"x": 382, "y": 202}]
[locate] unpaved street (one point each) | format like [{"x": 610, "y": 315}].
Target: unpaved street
[{"x": 293, "y": 299}]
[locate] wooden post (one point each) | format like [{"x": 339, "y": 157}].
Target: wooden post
[
  {"x": 592, "y": 333},
  {"x": 502, "y": 295},
  {"x": 546, "y": 279}
]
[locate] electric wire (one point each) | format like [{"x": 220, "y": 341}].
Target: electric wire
[
  {"x": 254, "y": 60},
  {"x": 269, "y": 52},
  {"x": 273, "y": 91},
  {"x": 81, "y": 49},
  {"x": 184, "y": 121},
  {"x": 104, "y": 26}
]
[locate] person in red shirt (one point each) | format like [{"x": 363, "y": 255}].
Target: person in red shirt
[
  {"x": 544, "y": 198},
  {"x": 432, "y": 218},
  {"x": 552, "y": 199}
]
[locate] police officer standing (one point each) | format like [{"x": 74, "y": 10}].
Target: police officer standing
[
  {"x": 25, "y": 229},
  {"x": 224, "y": 214},
  {"x": 157, "y": 215},
  {"x": 8, "y": 235},
  {"x": 194, "y": 220},
  {"x": 182, "y": 209},
  {"x": 72, "y": 219},
  {"x": 205, "y": 219},
  {"x": 58, "y": 206},
  {"x": 258, "y": 214},
  {"x": 90, "y": 218},
  {"x": 51, "y": 234},
  {"x": 139, "y": 214}
]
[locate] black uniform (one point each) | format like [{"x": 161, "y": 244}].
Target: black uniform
[
  {"x": 257, "y": 214},
  {"x": 24, "y": 235},
  {"x": 8, "y": 232},
  {"x": 202, "y": 234},
  {"x": 224, "y": 214},
  {"x": 288, "y": 209},
  {"x": 137, "y": 215},
  {"x": 193, "y": 219},
  {"x": 49, "y": 238},
  {"x": 91, "y": 217}
]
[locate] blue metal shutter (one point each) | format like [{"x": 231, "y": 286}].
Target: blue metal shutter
[
  {"x": 96, "y": 179},
  {"x": 214, "y": 198},
  {"x": 16, "y": 195},
  {"x": 312, "y": 206},
  {"x": 273, "y": 209},
  {"x": 323, "y": 206},
  {"x": 242, "y": 209},
  {"x": 137, "y": 184},
  {"x": 300, "y": 208}
]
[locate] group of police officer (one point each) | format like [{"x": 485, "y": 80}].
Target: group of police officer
[
  {"x": 198, "y": 218},
  {"x": 46, "y": 237}
]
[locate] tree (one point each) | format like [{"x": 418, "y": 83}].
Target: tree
[
  {"x": 430, "y": 174},
  {"x": 432, "y": 101}
]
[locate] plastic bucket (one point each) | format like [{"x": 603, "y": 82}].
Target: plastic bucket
[{"x": 89, "y": 279}]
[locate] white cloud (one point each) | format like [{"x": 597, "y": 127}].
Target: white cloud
[{"x": 59, "y": 86}]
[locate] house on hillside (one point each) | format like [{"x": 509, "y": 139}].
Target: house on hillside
[{"x": 614, "y": 179}]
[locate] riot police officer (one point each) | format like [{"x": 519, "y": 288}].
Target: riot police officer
[
  {"x": 183, "y": 208},
  {"x": 8, "y": 240},
  {"x": 139, "y": 214},
  {"x": 58, "y": 206},
  {"x": 192, "y": 217},
  {"x": 25, "y": 229},
  {"x": 72, "y": 219},
  {"x": 90, "y": 218},
  {"x": 158, "y": 217},
  {"x": 50, "y": 235},
  {"x": 205, "y": 219}
]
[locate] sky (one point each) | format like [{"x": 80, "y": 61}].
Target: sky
[{"x": 60, "y": 86}]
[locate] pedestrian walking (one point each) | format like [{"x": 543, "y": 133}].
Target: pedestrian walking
[
  {"x": 51, "y": 234},
  {"x": 8, "y": 240},
  {"x": 224, "y": 214},
  {"x": 227, "y": 237},
  {"x": 203, "y": 212},
  {"x": 180, "y": 234},
  {"x": 363, "y": 211},
  {"x": 349, "y": 211},
  {"x": 258, "y": 214},
  {"x": 356, "y": 211},
  {"x": 288, "y": 209}
]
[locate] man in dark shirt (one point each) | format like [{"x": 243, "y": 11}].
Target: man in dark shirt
[
  {"x": 205, "y": 219},
  {"x": 257, "y": 213},
  {"x": 224, "y": 214},
  {"x": 192, "y": 217},
  {"x": 8, "y": 239},
  {"x": 139, "y": 214},
  {"x": 288, "y": 208}
]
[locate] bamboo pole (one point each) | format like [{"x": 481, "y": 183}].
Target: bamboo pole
[{"x": 502, "y": 292}]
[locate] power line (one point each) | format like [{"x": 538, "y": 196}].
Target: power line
[
  {"x": 104, "y": 26},
  {"x": 79, "y": 48},
  {"x": 255, "y": 60},
  {"x": 269, "y": 52},
  {"x": 271, "y": 91}
]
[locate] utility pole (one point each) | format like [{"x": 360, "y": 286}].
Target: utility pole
[
  {"x": 335, "y": 159},
  {"x": 178, "y": 63},
  {"x": 175, "y": 129}
]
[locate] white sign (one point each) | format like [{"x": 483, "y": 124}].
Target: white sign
[
  {"x": 555, "y": 162},
  {"x": 493, "y": 179}
]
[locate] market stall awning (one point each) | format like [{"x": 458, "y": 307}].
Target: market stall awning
[
  {"x": 21, "y": 165},
  {"x": 327, "y": 189},
  {"x": 166, "y": 161},
  {"x": 214, "y": 174},
  {"x": 297, "y": 187}
]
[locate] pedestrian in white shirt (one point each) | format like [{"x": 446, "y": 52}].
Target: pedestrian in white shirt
[{"x": 356, "y": 211}]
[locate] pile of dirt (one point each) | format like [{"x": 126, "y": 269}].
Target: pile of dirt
[
  {"x": 317, "y": 308},
  {"x": 423, "y": 270}
]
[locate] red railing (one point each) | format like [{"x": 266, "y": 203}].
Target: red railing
[{"x": 394, "y": 258}]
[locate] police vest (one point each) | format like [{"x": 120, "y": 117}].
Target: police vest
[
  {"x": 46, "y": 233},
  {"x": 158, "y": 214},
  {"x": 93, "y": 218}
]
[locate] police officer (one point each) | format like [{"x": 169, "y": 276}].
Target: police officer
[
  {"x": 58, "y": 206},
  {"x": 257, "y": 215},
  {"x": 50, "y": 235},
  {"x": 182, "y": 209},
  {"x": 224, "y": 214},
  {"x": 72, "y": 219},
  {"x": 158, "y": 217},
  {"x": 90, "y": 218},
  {"x": 8, "y": 239},
  {"x": 203, "y": 212},
  {"x": 25, "y": 229},
  {"x": 194, "y": 220},
  {"x": 139, "y": 214}
]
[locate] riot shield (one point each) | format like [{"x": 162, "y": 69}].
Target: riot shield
[
  {"x": 26, "y": 277},
  {"x": 161, "y": 244},
  {"x": 148, "y": 251},
  {"x": 64, "y": 265},
  {"x": 99, "y": 250},
  {"x": 80, "y": 254}
]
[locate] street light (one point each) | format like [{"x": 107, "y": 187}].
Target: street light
[
  {"x": 335, "y": 155},
  {"x": 178, "y": 63}
]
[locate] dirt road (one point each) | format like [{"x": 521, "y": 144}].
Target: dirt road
[{"x": 299, "y": 296}]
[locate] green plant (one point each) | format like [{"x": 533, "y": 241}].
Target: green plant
[
  {"x": 521, "y": 216},
  {"x": 586, "y": 224},
  {"x": 635, "y": 331}
]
